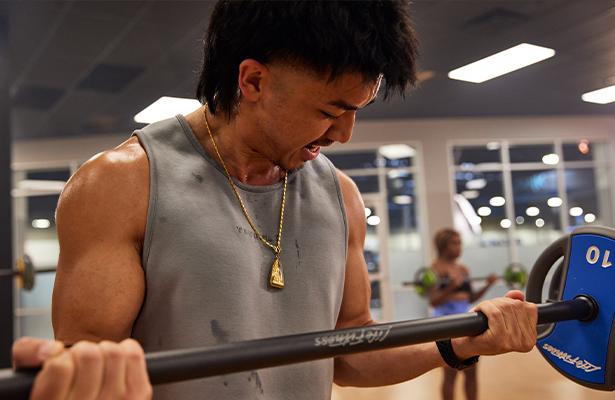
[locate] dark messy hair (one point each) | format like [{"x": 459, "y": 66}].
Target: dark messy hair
[
  {"x": 329, "y": 37},
  {"x": 442, "y": 238}
]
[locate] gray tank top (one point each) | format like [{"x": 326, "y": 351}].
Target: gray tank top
[{"x": 207, "y": 273}]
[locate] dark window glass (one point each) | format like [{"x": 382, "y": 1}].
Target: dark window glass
[
  {"x": 532, "y": 191},
  {"x": 530, "y": 152},
  {"x": 578, "y": 151},
  {"x": 477, "y": 154},
  {"x": 354, "y": 160},
  {"x": 401, "y": 201},
  {"x": 479, "y": 189},
  {"x": 366, "y": 183}
]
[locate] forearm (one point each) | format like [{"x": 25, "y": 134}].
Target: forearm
[{"x": 386, "y": 367}]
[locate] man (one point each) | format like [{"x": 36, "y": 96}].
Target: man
[{"x": 228, "y": 225}]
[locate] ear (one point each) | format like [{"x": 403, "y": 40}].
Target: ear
[{"x": 253, "y": 76}]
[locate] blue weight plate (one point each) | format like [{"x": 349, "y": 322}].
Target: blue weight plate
[{"x": 585, "y": 351}]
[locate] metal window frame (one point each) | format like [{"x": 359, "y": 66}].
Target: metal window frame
[{"x": 507, "y": 168}]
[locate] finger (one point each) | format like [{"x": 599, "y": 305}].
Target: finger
[
  {"x": 495, "y": 318},
  {"x": 55, "y": 379},
  {"x": 114, "y": 381},
  {"x": 137, "y": 381},
  {"x": 516, "y": 322},
  {"x": 88, "y": 361},
  {"x": 528, "y": 328},
  {"x": 531, "y": 313},
  {"x": 31, "y": 352},
  {"x": 516, "y": 295}
]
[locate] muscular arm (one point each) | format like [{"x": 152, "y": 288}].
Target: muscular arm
[
  {"x": 384, "y": 367},
  {"x": 100, "y": 217},
  {"x": 512, "y": 322}
]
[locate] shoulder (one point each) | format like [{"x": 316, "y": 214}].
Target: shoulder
[
  {"x": 353, "y": 202},
  {"x": 112, "y": 183},
  {"x": 354, "y": 208}
]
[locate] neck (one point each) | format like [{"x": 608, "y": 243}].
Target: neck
[
  {"x": 448, "y": 259},
  {"x": 236, "y": 145}
]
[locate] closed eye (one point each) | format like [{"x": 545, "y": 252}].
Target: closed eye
[{"x": 329, "y": 116}]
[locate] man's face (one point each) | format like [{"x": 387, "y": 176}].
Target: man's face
[{"x": 300, "y": 112}]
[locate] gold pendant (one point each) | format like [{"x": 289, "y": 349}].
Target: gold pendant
[{"x": 276, "y": 279}]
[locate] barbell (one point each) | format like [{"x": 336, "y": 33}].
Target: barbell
[
  {"x": 25, "y": 272},
  {"x": 576, "y": 331},
  {"x": 515, "y": 276}
]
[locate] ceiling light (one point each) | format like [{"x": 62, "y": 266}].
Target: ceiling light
[
  {"x": 590, "y": 218},
  {"x": 601, "y": 96},
  {"x": 368, "y": 212},
  {"x": 402, "y": 199},
  {"x": 550, "y": 159},
  {"x": 373, "y": 220},
  {"x": 576, "y": 211},
  {"x": 476, "y": 184},
  {"x": 497, "y": 201},
  {"x": 166, "y": 107},
  {"x": 470, "y": 194},
  {"x": 42, "y": 223},
  {"x": 505, "y": 223},
  {"x": 484, "y": 211},
  {"x": 519, "y": 220},
  {"x": 554, "y": 202},
  {"x": 397, "y": 151},
  {"x": 532, "y": 211},
  {"x": 540, "y": 222},
  {"x": 502, "y": 63}
]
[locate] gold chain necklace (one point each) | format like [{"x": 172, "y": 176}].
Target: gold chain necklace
[{"x": 276, "y": 277}]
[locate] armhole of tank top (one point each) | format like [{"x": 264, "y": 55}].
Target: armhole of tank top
[
  {"x": 153, "y": 196},
  {"x": 340, "y": 200}
]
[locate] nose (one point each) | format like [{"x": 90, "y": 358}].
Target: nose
[{"x": 341, "y": 130}]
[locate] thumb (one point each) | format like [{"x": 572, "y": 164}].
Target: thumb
[
  {"x": 516, "y": 295},
  {"x": 30, "y": 352}
]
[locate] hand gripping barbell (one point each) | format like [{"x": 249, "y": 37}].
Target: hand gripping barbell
[
  {"x": 579, "y": 340},
  {"x": 25, "y": 272},
  {"x": 515, "y": 277}
]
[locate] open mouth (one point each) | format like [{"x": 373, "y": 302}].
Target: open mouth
[{"x": 312, "y": 147}]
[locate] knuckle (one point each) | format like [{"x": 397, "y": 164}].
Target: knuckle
[
  {"x": 60, "y": 367},
  {"x": 86, "y": 353},
  {"x": 112, "y": 351}
]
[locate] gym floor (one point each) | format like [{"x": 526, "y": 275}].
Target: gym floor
[{"x": 508, "y": 377}]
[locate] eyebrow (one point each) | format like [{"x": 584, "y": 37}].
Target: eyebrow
[{"x": 348, "y": 107}]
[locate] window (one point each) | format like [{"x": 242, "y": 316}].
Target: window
[
  {"x": 514, "y": 199},
  {"x": 387, "y": 179},
  {"x": 35, "y": 196}
]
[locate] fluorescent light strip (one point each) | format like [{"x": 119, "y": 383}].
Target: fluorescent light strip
[
  {"x": 601, "y": 96},
  {"x": 166, "y": 107},
  {"x": 502, "y": 63}
]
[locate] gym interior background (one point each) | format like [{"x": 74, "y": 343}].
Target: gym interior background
[{"x": 513, "y": 162}]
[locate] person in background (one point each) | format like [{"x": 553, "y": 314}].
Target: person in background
[{"x": 453, "y": 295}]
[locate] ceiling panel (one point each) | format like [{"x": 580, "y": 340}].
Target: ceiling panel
[{"x": 58, "y": 44}]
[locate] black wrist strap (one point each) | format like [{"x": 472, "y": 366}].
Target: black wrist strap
[{"x": 448, "y": 355}]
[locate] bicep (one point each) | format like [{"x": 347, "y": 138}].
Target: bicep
[{"x": 100, "y": 283}]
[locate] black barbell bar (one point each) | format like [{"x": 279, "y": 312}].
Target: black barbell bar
[{"x": 180, "y": 365}]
